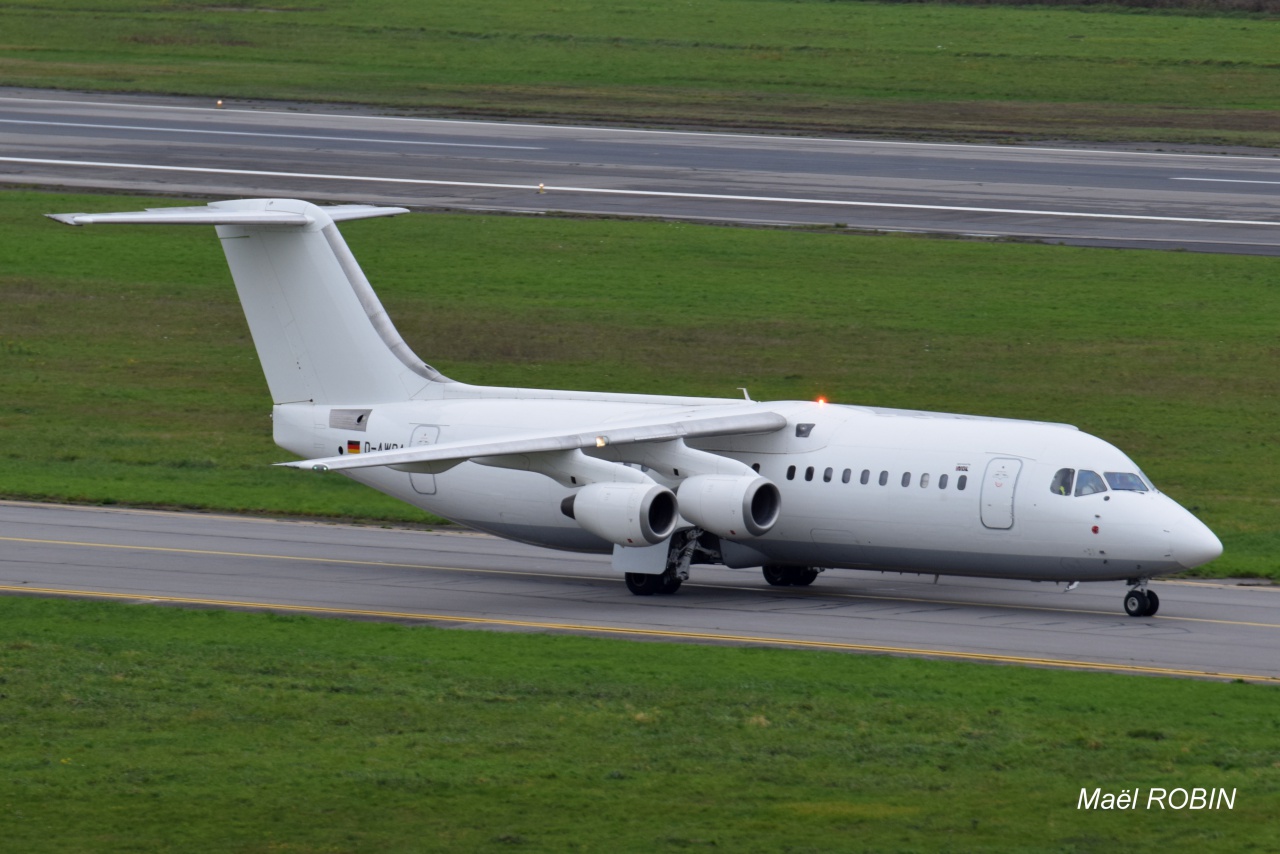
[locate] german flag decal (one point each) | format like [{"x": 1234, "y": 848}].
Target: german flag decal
[{"x": 353, "y": 446}]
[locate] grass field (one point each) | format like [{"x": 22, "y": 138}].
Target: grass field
[
  {"x": 133, "y": 728},
  {"x": 857, "y": 67},
  {"x": 127, "y": 374}
]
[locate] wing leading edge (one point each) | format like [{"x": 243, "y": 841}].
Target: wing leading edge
[{"x": 657, "y": 430}]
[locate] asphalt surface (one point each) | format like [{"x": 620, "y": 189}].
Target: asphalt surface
[
  {"x": 1217, "y": 630},
  {"x": 1205, "y": 202}
]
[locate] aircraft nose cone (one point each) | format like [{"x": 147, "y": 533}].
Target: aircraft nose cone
[{"x": 1194, "y": 544}]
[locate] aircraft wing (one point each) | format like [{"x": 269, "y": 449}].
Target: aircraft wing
[{"x": 661, "y": 429}]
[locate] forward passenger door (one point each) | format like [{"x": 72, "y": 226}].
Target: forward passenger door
[{"x": 998, "y": 487}]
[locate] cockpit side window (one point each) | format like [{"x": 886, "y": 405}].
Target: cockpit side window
[
  {"x": 1062, "y": 482},
  {"x": 1125, "y": 481},
  {"x": 1088, "y": 483}
]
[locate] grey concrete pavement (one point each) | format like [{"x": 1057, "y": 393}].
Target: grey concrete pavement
[
  {"x": 459, "y": 578},
  {"x": 1210, "y": 202}
]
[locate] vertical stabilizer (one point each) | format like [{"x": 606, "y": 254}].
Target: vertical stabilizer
[{"x": 321, "y": 333}]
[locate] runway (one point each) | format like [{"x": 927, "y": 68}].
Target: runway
[
  {"x": 1130, "y": 198},
  {"x": 1204, "y": 629}
]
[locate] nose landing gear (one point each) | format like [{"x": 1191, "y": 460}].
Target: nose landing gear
[{"x": 1141, "y": 602}]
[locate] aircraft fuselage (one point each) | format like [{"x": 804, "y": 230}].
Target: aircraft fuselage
[{"x": 861, "y": 488}]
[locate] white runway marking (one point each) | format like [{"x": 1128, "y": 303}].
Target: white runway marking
[
  {"x": 269, "y": 135},
  {"x": 1226, "y": 180},
  {"x": 257, "y": 173},
  {"x": 1009, "y": 150}
]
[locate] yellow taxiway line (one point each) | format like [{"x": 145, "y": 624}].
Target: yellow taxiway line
[
  {"x": 300, "y": 558},
  {"x": 654, "y": 633}
]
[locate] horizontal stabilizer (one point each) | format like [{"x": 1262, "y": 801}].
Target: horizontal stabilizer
[
  {"x": 214, "y": 214},
  {"x": 658, "y": 430},
  {"x": 320, "y": 331}
]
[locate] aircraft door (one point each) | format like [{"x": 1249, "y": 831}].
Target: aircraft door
[
  {"x": 998, "y": 486},
  {"x": 423, "y": 434}
]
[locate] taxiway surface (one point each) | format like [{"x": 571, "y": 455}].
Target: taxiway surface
[
  {"x": 465, "y": 579},
  {"x": 1209, "y": 202}
]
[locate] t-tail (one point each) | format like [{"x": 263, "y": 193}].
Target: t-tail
[{"x": 321, "y": 333}]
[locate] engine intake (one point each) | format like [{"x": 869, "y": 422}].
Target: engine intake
[
  {"x": 629, "y": 514},
  {"x": 731, "y": 505}
]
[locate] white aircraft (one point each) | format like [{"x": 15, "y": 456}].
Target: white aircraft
[{"x": 794, "y": 487}]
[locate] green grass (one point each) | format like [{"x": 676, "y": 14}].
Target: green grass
[
  {"x": 857, "y": 67},
  {"x": 132, "y": 728},
  {"x": 127, "y": 374}
]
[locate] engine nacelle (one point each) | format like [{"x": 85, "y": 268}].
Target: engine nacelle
[
  {"x": 730, "y": 505},
  {"x": 629, "y": 514}
]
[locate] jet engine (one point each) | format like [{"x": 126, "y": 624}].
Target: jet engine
[
  {"x": 629, "y": 514},
  {"x": 730, "y": 505}
]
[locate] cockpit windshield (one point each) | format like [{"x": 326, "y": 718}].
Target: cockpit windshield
[
  {"x": 1088, "y": 483},
  {"x": 1126, "y": 481}
]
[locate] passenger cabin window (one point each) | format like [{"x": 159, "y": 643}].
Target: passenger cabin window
[
  {"x": 962, "y": 481},
  {"x": 942, "y": 481},
  {"x": 1125, "y": 481},
  {"x": 791, "y": 472},
  {"x": 755, "y": 467},
  {"x": 1089, "y": 483},
  {"x": 906, "y": 478},
  {"x": 1062, "y": 482},
  {"x": 848, "y": 474},
  {"x": 826, "y": 475},
  {"x": 884, "y": 478},
  {"x": 808, "y": 473},
  {"x": 924, "y": 481},
  {"x": 866, "y": 477}
]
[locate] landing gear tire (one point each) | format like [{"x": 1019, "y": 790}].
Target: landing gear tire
[
  {"x": 803, "y": 576},
  {"x": 788, "y": 576},
  {"x": 1138, "y": 604},
  {"x": 644, "y": 585},
  {"x": 1153, "y": 604},
  {"x": 778, "y": 576}
]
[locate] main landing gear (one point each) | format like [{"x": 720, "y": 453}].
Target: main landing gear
[
  {"x": 647, "y": 585},
  {"x": 780, "y": 575},
  {"x": 1141, "y": 602},
  {"x": 679, "y": 558}
]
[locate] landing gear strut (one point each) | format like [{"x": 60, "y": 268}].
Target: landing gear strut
[
  {"x": 1141, "y": 602},
  {"x": 780, "y": 575}
]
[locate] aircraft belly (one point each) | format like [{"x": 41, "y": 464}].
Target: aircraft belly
[
  {"x": 1002, "y": 564},
  {"x": 515, "y": 505}
]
